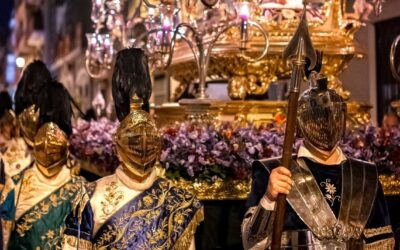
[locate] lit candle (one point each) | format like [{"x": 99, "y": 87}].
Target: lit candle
[
  {"x": 150, "y": 12},
  {"x": 244, "y": 11},
  {"x": 107, "y": 42},
  {"x": 166, "y": 24}
]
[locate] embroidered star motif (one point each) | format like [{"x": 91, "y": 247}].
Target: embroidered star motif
[{"x": 330, "y": 191}]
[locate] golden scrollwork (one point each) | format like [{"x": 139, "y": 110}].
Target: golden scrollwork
[
  {"x": 332, "y": 32},
  {"x": 358, "y": 114},
  {"x": 396, "y": 105},
  {"x": 257, "y": 112},
  {"x": 390, "y": 184},
  {"x": 217, "y": 190},
  {"x": 239, "y": 189}
]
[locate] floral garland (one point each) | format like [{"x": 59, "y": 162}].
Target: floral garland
[
  {"x": 93, "y": 141},
  {"x": 207, "y": 151},
  {"x": 227, "y": 150},
  {"x": 378, "y": 145}
]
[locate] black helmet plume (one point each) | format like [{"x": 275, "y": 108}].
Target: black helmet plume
[
  {"x": 54, "y": 103},
  {"x": 5, "y": 102},
  {"x": 131, "y": 76},
  {"x": 34, "y": 78}
]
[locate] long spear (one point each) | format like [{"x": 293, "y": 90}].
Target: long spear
[{"x": 297, "y": 50}]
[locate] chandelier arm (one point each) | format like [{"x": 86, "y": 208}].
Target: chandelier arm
[
  {"x": 215, "y": 39},
  {"x": 392, "y": 55},
  {"x": 200, "y": 58},
  {"x": 237, "y": 23},
  {"x": 266, "y": 44},
  {"x": 197, "y": 37},
  {"x": 146, "y": 34},
  {"x": 173, "y": 40},
  {"x": 189, "y": 43}
]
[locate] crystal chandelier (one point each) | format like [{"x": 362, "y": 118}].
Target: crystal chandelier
[
  {"x": 165, "y": 26},
  {"x": 109, "y": 27}
]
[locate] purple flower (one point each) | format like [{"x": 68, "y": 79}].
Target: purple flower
[
  {"x": 207, "y": 151},
  {"x": 93, "y": 141}
]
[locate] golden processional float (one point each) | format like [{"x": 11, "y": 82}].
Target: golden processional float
[
  {"x": 239, "y": 42},
  {"x": 395, "y": 67}
]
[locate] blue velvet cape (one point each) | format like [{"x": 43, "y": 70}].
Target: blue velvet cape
[{"x": 157, "y": 218}]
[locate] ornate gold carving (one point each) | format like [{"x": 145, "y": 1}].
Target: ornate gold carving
[
  {"x": 333, "y": 33},
  {"x": 257, "y": 112},
  {"x": 396, "y": 105},
  {"x": 358, "y": 114},
  {"x": 239, "y": 189},
  {"x": 371, "y": 232},
  {"x": 168, "y": 114},
  {"x": 218, "y": 190},
  {"x": 112, "y": 198},
  {"x": 390, "y": 184}
]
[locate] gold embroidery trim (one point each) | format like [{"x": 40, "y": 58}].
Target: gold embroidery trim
[
  {"x": 151, "y": 208},
  {"x": 186, "y": 238},
  {"x": 7, "y": 188},
  {"x": 44, "y": 206},
  {"x": 72, "y": 241},
  {"x": 371, "y": 232},
  {"x": 385, "y": 244},
  {"x": 27, "y": 187},
  {"x": 112, "y": 198},
  {"x": 52, "y": 239},
  {"x": 81, "y": 199}
]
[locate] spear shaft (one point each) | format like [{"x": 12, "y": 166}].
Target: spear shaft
[
  {"x": 298, "y": 48},
  {"x": 290, "y": 130}
]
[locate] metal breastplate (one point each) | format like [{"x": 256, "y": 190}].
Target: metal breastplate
[
  {"x": 359, "y": 185},
  {"x": 306, "y": 240}
]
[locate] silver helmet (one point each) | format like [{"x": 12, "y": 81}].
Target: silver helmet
[{"x": 321, "y": 116}]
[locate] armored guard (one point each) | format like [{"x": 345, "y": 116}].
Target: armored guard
[
  {"x": 135, "y": 208},
  {"x": 334, "y": 201},
  {"x": 41, "y": 197},
  {"x": 17, "y": 154}
]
